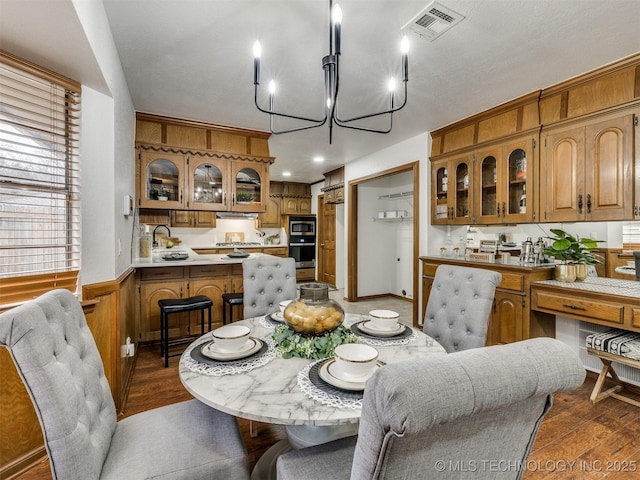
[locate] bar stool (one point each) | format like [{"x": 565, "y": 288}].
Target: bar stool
[
  {"x": 169, "y": 306},
  {"x": 230, "y": 299}
]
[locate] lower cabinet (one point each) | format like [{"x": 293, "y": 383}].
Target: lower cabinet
[
  {"x": 510, "y": 319},
  {"x": 181, "y": 282},
  {"x": 506, "y": 321}
]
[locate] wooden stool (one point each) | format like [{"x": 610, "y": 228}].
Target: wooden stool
[
  {"x": 619, "y": 346},
  {"x": 230, "y": 299},
  {"x": 169, "y": 306}
]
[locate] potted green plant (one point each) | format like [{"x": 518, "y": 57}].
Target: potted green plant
[
  {"x": 574, "y": 252},
  {"x": 244, "y": 198},
  {"x": 161, "y": 194}
]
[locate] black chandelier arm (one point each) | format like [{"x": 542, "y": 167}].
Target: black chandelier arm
[
  {"x": 319, "y": 122},
  {"x": 341, "y": 121},
  {"x": 365, "y": 129},
  {"x": 295, "y": 129}
]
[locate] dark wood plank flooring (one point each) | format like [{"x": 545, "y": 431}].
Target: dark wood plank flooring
[{"x": 577, "y": 440}]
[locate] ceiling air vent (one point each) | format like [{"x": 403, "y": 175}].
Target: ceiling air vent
[{"x": 433, "y": 21}]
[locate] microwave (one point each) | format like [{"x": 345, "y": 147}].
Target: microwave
[{"x": 302, "y": 226}]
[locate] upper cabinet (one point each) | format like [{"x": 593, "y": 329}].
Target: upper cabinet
[
  {"x": 482, "y": 168},
  {"x": 452, "y": 182},
  {"x": 505, "y": 182},
  {"x": 568, "y": 153},
  {"x": 589, "y": 169},
  {"x": 185, "y": 165}
]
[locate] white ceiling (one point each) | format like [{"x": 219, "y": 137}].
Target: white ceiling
[{"x": 193, "y": 59}]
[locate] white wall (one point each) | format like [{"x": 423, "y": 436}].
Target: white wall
[
  {"x": 108, "y": 156},
  {"x": 409, "y": 151}
]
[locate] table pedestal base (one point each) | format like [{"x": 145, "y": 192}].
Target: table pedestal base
[{"x": 298, "y": 436}]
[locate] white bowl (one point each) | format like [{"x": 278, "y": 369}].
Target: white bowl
[
  {"x": 384, "y": 319},
  {"x": 356, "y": 360},
  {"x": 230, "y": 338},
  {"x": 283, "y": 304}
]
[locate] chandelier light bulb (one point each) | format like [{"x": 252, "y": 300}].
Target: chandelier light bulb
[
  {"x": 257, "y": 49},
  {"x": 272, "y": 87},
  {"x": 392, "y": 85},
  {"x": 336, "y": 14},
  {"x": 404, "y": 45},
  {"x": 328, "y": 102}
]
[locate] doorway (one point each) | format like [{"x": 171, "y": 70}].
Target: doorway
[{"x": 366, "y": 251}]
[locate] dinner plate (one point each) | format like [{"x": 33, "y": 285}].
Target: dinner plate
[
  {"x": 277, "y": 317},
  {"x": 250, "y": 347},
  {"x": 367, "y": 327},
  {"x": 330, "y": 373},
  {"x": 238, "y": 255}
]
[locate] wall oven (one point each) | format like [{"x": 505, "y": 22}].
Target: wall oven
[{"x": 302, "y": 240}]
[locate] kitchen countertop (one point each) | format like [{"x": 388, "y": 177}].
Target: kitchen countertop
[
  {"x": 214, "y": 246},
  {"x": 194, "y": 258},
  {"x": 513, "y": 262}
]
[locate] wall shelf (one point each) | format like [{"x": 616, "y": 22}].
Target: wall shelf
[
  {"x": 393, "y": 196},
  {"x": 397, "y": 219}
]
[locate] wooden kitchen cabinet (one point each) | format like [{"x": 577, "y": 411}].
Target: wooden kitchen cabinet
[
  {"x": 250, "y": 187},
  {"x": 296, "y": 198},
  {"x": 452, "y": 187},
  {"x": 589, "y": 169},
  {"x": 199, "y": 219},
  {"x": 161, "y": 179},
  {"x": 272, "y": 217},
  {"x": 157, "y": 283},
  {"x": 150, "y": 293},
  {"x": 503, "y": 177},
  {"x": 506, "y": 320}
]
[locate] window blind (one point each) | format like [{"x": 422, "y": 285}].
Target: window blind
[{"x": 39, "y": 171}]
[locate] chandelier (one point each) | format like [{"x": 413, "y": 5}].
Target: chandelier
[{"x": 331, "y": 67}]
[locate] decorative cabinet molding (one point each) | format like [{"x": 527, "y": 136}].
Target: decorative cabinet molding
[
  {"x": 334, "y": 186},
  {"x": 185, "y": 165}
]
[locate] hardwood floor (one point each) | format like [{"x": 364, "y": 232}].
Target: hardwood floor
[{"x": 577, "y": 440}]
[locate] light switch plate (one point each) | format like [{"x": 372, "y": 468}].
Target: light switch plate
[{"x": 127, "y": 205}]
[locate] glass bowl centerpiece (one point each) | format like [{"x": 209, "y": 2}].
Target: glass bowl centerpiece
[{"x": 314, "y": 313}]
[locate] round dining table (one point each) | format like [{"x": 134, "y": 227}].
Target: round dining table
[{"x": 271, "y": 392}]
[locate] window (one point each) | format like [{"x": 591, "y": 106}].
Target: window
[{"x": 39, "y": 177}]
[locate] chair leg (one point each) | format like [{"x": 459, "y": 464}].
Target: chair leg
[
  {"x": 209, "y": 310},
  {"x": 224, "y": 312},
  {"x": 253, "y": 429},
  {"x": 165, "y": 330}
]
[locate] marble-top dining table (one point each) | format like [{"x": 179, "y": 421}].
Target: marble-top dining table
[{"x": 271, "y": 392}]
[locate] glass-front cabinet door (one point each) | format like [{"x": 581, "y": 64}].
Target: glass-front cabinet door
[
  {"x": 161, "y": 180},
  {"x": 208, "y": 184},
  {"x": 461, "y": 167},
  {"x": 489, "y": 207},
  {"x": 517, "y": 184},
  {"x": 249, "y": 192},
  {"x": 441, "y": 210}
]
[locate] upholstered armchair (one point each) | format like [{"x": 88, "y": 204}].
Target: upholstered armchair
[
  {"x": 447, "y": 416},
  {"x": 459, "y": 306},
  {"x": 267, "y": 280},
  {"x": 57, "y": 358}
]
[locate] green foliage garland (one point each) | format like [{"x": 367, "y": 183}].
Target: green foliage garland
[{"x": 291, "y": 344}]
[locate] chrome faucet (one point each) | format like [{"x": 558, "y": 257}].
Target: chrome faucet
[{"x": 155, "y": 244}]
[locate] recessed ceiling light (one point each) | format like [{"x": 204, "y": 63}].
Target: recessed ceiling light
[
  {"x": 318, "y": 159},
  {"x": 286, "y": 174}
]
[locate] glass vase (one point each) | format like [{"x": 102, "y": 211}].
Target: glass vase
[{"x": 314, "y": 313}]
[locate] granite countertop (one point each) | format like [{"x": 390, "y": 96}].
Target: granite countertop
[
  {"x": 194, "y": 259},
  {"x": 513, "y": 262},
  {"x": 611, "y": 286}
]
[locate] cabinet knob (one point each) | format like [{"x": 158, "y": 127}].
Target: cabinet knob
[
  {"x": 588, "y": 203},
  {"x": 498, "y": 209},
  {"x": 504, "y": 209}
]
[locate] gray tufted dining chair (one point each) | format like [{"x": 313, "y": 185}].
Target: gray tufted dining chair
[
  {"x": 459, "y": 306},
  {"x": 267, "y": 280},
  {"x": 468, "y": 415},
  {"x": 60, "y": 365}
]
